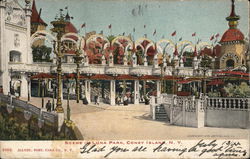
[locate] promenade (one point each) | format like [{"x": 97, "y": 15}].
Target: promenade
[{"x": 105, "y": 122}]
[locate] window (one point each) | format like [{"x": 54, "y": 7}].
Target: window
[
  {"x": 230, "y": 63},
  {"x": 15, "y": 56}
]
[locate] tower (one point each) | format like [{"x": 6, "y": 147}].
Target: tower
[{"x": 232, "y": 44}]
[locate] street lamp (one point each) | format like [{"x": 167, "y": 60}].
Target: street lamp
[
  {"x": 68, "y": 109},
  {"x": 28, "y": 80},
  {"x": 53, "y": 95},
  {"x": 78, "y": 60},
  {"x": 59, "y": 28},
  {"x": 11, "y": 71},
  {"x": 43, "y": 85}
]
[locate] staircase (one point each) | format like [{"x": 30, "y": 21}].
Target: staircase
[{"x": 160, "y": 113}]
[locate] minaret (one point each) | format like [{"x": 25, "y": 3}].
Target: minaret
[{"x": 233, "y": 18}]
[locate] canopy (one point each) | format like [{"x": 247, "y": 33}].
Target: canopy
[
  {"x": 149, "y": 77},
  {"x": 42, "y": 76},
  {"x": 101, "y": 77},
  {"x": 233, "y": 73},
  {"x": 216, "y": 82},
  {"x": 126, "y": 77},
  {"x": 184, "y": 82}
]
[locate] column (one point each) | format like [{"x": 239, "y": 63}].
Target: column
[
  {"x": 87, "y": 90},
  {"x": 158, "y": 88},
  {"x": 24, "y": 86},
  {"x": 137, "y": 92},
  {"x": 112, "y": 92}
]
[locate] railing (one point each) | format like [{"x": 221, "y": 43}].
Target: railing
[
  {"x": 228, "y": 103},
  {"x": 29, "y": 108}
]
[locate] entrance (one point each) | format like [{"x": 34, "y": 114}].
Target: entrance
[{"x": 230, "y": 63}]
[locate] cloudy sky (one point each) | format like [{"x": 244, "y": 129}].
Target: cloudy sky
[{"x": 205, "y": 17}]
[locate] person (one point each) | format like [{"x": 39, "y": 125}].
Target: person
[
  {"x": 96, "y": 99},
  {"x": 48, "y": 106},
  {"x": 125, "y": 100},
  {"x": 84, "y": 100}
]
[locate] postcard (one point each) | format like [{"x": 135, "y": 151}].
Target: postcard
[{"x": 124, "y": 79}]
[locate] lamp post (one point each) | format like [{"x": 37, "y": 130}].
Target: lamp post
[
  {"x": 53, "y": 96},
  {"x": 78, "y": 60},
  {"x": 43, "y": 83},
  {"x": 163, "y": 69},
  {"x": 59, "y": 28},
  {"x": 68, "y": 109},
  {"x": 28, "y": 80},
  {"x": 11, "y": 71}
]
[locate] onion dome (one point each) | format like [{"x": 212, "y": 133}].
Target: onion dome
[
  {"x": 232, "y": 34},
  {"x": 35, "y": 17}
]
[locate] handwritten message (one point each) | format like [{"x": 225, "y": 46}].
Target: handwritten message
[{"x": 126, "y": 149}]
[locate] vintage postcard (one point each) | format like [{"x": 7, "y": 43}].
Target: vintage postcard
[{"x": 124, "y": 79}]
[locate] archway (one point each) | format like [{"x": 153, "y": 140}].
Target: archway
[{"x": 230, "y": 63}]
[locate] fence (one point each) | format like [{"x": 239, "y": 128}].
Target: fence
[
  {"x": 205, "y": 111},
  {"x": 27, "y": 108}
]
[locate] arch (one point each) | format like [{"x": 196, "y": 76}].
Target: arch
[
  {"x": 93, "y": 38},
  {"x": 163, "y": 49},
  {"x": 14, "y": 56},
  {"x": 230, "y": 63},
  {"x": 183, "y": 45},
  {"x": 42, "y": 33}
]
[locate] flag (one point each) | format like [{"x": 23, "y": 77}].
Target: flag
[
  {"x": 194, "y": 34},
  {"x": 123, "y": 33},
  {"x": 174, "y": 33},
  {"x": 212, "y": 37},
  {"x": 180, "y": 39},
  {"x": 133, "y": 29},
  {"x": 154, "y": 32},
  {"x": 83, "y": 25},
  {"x": 110, "y": 26},
  {"x": 144, "y": 26},
  {"x": 217, "y": 35}
]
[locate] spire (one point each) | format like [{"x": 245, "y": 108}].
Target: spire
[
  {"x": 176, "y": 51},
  {"x": 67, "y": 17},
  {"x": 35, "y": 16},
  {"x": 233, "y": 18},
  {"x": 155, "y": 48},
  {"x": 195, "y": 52}
]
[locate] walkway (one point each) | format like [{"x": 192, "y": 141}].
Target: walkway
[{"x": 133, "y": 122}]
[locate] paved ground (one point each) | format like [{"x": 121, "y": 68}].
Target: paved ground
[{"x": 133, "y": 122}]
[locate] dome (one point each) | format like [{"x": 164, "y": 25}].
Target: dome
[
  {"x": 70, "y": 28},
  {"x": 232, "y": 34}
]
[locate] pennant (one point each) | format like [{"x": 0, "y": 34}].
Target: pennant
[
  {"x": 144, "y": 26},
  {"x": 123, "y": 33},
  {"x": 174, "y": 33},
  {"x": 154, "y": 32},
  {"x": 194, "y": 34},
  {"x": 83, "y": 25},
  {"x": 199, "y": 40},
  {"x": 212, "y": 37},
  {"x": 110, "y": 26},
  {"x": 180, "y": 39}
]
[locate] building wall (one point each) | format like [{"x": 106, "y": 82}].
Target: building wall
[{"x": 235, "y": 52}]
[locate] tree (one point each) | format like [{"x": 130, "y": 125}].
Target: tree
[{"x": 41, "y": 53}]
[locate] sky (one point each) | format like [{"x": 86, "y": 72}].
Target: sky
[{"x": 205, "y": 17}]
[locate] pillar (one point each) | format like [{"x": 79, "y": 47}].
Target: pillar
[
  {"x": 112, "y": 92},
  {"x": 156, "y": 61},
  {"x": 145, "y": 60},
  {"x": 103, "y": 60},
  {"x": 87, "y": 90},
  {"x": 158, "y": 88},
  {"x": 137, "y": 92},
  {"x": 24, "y": 86},
  {"x": 134, "y": 60}
]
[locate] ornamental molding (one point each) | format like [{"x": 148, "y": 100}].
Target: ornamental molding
[{"x": 15, "y": 14}]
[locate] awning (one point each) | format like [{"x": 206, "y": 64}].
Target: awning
[
  {"x": 184, "y": 82},
  {"x": 126, "y": 77},
  {"x": 171, "y": 78},
  {"x": 42, "y": 76},
  {"x": 101, "y": 77},
  {"x": 233, "y": 73},
  {"x": 149, "y": 77},
  {"x": 215, "y": 82},
  {"x": 73, "y": 75}
]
